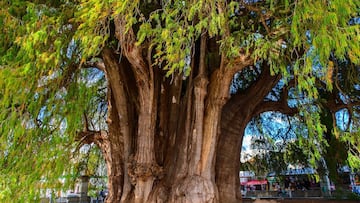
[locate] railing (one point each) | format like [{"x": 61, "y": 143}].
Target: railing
[{"x": 296, "y": 193}]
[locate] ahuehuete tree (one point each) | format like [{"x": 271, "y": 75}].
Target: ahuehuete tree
[{"x": 160, "y": 71}]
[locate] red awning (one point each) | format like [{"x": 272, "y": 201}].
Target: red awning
[{"x": 255, "y": 182}]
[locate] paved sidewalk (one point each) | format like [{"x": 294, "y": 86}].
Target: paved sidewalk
[{"x": 298, "y": 200}]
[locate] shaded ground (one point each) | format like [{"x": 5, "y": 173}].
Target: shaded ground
[{"x": 299, "y": 200}]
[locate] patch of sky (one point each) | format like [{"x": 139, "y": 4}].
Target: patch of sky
[
  {"x": 250, "y": 39},
  {"x": 251, "y": 1},
  {"x": 91, "y": 76},
  {"x": 275, "y": 94},
  {"x": 272, "y": 126},
  {"x": 243, "y": 79},
  {"x": 85, "y": 149},
  {"x": 308, "y": 36},
  {"x": 357, "y": 86},
  {"x": 42, "y": 113},
  {"x": 71, "y": 49},
  {"x": 43, "y": 81},
  {"x": 277, "y": 125},
  {"x": 344, "y": 98},
  {"x": 342, "y": 119},
  {"x": 60, "y": 93},
  {"x": 354, "y": 21}
]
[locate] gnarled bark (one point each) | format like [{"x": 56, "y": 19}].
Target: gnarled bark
[
  {"x": 236, "y": 114},
  {"x": 163, "y": 133}
]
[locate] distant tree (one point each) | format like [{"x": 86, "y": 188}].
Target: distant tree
[
  {"x": 275, "y": 144},
  {"x": 149, "y": 83}
]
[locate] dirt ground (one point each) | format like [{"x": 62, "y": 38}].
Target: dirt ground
[{"x": 302, "y": 200}]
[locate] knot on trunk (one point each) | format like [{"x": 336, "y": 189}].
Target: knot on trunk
[
  {"x": 195, "y": 189},
  {"x": 144, "y": 171},
  {"x": 201, "y": 83}
]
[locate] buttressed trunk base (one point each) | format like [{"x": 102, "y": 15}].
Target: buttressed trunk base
[{"x": 165, "y": 131}]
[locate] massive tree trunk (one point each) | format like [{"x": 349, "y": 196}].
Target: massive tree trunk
[
  {"x": 163, "y": 133},
  {"x": 176, "y": 140}
]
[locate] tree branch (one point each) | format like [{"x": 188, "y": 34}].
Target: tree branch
[
  {"x": 239, "y": 63},
  {"x": 132, "y": 52},
  {"x": 279, "y": 106},
  {"x": 99, "y": 65},
  {"x": 89, "y": 136},
  {"x": 335, "y": 104}
]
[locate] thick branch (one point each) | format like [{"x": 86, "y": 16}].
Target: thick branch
[
  {"x": 90, "y": 136},
  {"x": 238, "y": 64},
  {"x": 132, "y": 52},
  {"x": 335, "y": 104},
  {"x": 279, "y": 106},
  {"x": 99, "y": 65},
  {"x": 257, "y": 91}
]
